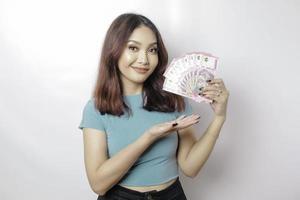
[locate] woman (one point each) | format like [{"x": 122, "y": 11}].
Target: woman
[{"x": 136, "y": 134}]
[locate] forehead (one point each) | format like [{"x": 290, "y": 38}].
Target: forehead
[{"x": 143, "y": 34}]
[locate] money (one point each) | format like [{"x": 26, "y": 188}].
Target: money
[{"x": 185, "y": 75}]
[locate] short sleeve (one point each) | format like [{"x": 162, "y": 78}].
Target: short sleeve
[
  {"x": 91, "y": 117},
  {"x": 188, "y": 108}
]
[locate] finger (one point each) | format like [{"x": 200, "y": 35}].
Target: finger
[
  {"x": 216, "y": 80},
  {"x": 214, "y": 93},
  {"x": 210, "y": 91},
  {"x": 211, "y": 86},
  {"x": 175, "y": 122},
  {"x": 185, "y": 119},
  {"x": 189, "y": 118},
  {"x": 208, "y": 87},
  {"x": 189, "y": 122},
  {"x": 177, "y": 119},
  {"x": 181, "y": 117},
  {"x": 210, "y": 96},
  {"x": 218, "y": 83}
]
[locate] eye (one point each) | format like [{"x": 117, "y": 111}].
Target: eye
[
  {"x": 132, "y": 48},
  {"x": 153, "y": 50}
]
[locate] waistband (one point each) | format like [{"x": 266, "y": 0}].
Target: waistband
[{"x": 167, "y": 191}]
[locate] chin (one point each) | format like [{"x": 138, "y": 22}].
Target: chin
[{"x": 140, "y": 79}]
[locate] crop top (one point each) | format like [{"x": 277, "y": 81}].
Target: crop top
[{"x": 158, "y": 163}]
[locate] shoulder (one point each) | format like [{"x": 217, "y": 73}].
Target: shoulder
[
  {"x": 91, "y": 117},
  {"x": 90, "y": 105},
  {"x": 90, "y": 108}
]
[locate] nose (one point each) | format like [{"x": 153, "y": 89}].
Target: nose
[{"x": 143, "y": 59}]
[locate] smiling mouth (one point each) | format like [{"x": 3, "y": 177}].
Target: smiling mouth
[{"x": 140, "y": 70}]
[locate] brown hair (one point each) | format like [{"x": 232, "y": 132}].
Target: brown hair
[{"x": 108, "y": 94}]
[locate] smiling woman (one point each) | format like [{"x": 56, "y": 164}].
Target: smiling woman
[{"x": 131, "y": 147}]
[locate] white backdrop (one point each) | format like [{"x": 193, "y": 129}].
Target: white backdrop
[{"x": 49, "y": 56}]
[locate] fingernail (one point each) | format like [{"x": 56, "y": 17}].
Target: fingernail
[{"x": 174, "y": 124}]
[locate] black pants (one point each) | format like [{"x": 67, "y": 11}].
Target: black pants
[{"x": 173, "y": 192}]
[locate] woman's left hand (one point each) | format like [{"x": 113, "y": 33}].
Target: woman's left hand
[{"x": 217, "y": 92}]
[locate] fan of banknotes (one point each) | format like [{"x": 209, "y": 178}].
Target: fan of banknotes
[{"x": 187, "y": 74}]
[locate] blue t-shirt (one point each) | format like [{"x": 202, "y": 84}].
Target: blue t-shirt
[{"x": 158, "y": 163}]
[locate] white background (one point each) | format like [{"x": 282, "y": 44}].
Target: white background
[{"x": 49, "y": 56}]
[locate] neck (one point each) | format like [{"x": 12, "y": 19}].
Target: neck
[{"x": 132, "y": 89}]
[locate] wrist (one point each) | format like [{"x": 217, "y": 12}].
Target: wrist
[
  {"x": 220, "y": 118},
  {"x": 147, "y": 136}
]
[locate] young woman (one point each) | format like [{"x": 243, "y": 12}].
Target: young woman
[{"x": 137, "y": 136}]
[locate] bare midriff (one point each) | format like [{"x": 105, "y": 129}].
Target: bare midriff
[{"x": 152, "y": 187}]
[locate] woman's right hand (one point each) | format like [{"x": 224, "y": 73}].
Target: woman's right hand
[{"x": 163, "y": 129}]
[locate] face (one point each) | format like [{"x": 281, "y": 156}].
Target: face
[{"x": 140, "y": 53}]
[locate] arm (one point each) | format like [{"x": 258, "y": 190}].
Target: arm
[
  {"x": 110, "y": 171},
  {"x": 201, "y": 150},
  {"x": 193, "y": 153}
]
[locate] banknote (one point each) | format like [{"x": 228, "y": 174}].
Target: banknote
[{"x": 186, "y": 74}]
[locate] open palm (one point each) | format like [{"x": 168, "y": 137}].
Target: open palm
[{"x": 163, "y": 129}]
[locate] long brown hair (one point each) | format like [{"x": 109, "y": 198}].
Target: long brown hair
[{"x": 108, "y": 94}]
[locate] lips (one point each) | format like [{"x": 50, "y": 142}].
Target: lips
[{"x": 140, "y": 70}]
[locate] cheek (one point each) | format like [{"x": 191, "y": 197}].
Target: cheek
[
  {"x": 129, "y": 58},
  {"x": 153, "y": 60},
  {"x": 126, "y": 60}
]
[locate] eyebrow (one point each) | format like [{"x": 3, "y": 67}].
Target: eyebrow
[{"x": 140, "y": 43}]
